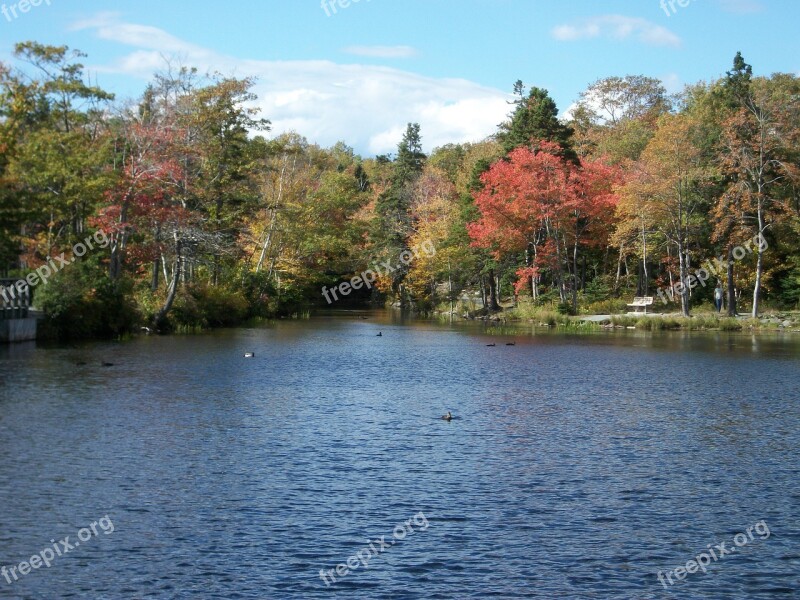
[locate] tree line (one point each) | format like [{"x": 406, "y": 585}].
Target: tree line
[{"x": 211, "y": 221}]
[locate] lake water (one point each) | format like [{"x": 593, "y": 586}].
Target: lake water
[{"x": 578, "y": 466}]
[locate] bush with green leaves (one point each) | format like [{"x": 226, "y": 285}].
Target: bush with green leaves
[
  {"x": 204, "y": 305},
  {"x": 565, "y": 308},
  {"x": 258, "y": 290},
  {"x": 82, "y": 302},
  {"x": 596, "y": 290},
  {"x": 790, "y": 286}
]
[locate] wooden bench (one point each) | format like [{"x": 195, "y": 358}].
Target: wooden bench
[{"x": 641, "y": 302}]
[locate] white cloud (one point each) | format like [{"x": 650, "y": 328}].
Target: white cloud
[
  {"x": 569, "y": 112},
  {"x": 382, "y": 51},
  {"x": 107, "y": 27},
  {"x": 368, "y": 106},
  {"x": 618, "y": 27}
]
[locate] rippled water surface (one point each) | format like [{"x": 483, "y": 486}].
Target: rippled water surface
[{"x": 576, "y": 466}]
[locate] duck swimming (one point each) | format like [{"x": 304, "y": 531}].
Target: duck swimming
[
  {"x": 447, "y": 417},
  {"x": 249, "y": 354},
  {"x": 380, "y": 334},
  {"x": 491, "y": 345}
]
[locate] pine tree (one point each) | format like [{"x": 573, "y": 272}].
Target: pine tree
[{"x": 535, "y": 119}]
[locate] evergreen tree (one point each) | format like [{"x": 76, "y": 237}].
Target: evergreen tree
[
  {"x": 535, "y": 118},
  {"x": 393, "y": 208}
]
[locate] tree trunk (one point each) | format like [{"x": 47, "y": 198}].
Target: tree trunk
[
  {"x": 760, "y": 261},
  {"x": 671, "y": 276},
  {"x": 449, "y": 289},
  {"x": 684, "y": 282},
  {"x": 644, "y": 263},
  {"x": 164, "y": 269},
  {"x": 575, "y": 275},
  {"x": 757, "y": 286},
  {"x": 493, "y": 304},
  {"x": 583, "y": 272},
  {"x": 161, "y": 316},
  {"x": 267, "y": 241},
  {"x": 528, "y": 263},
  {"x": 118, "y": 246},
  {"x": 154, "y": 280},
  {"x": 731, "y": 287}
]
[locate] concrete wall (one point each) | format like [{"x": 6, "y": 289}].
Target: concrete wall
[{"x": 17, "y": 330}]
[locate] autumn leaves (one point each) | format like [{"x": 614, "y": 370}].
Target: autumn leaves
[
  {"x": 540, "y": 203},
  {"x": 370, "y": 276}
]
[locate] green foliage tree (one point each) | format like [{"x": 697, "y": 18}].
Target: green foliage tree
[{"x": 61, "y": 147}]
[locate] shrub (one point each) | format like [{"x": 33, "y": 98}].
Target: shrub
[
  {"x": 598, "y": 289},
  {"x": 258, "y": 290},
  {"x": 81, "y": 302},
  {"x": 565, "y": 308},
  {"x": 614, "y": 306},
  {"x": 203, "y": 305}
]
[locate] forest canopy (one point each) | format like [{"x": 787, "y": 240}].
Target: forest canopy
[{"x": 212, "y": 219}]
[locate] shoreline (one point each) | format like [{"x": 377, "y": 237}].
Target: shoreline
[{"x": 542, "y": 321}]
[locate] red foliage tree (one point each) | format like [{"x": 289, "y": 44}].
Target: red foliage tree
[{"x": 537, "y": 203}]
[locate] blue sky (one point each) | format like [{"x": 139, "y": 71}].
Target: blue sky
[{"x": 359, "y": 73}]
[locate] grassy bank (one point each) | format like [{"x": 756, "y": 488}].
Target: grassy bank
[
  {"x": 550, "y": 316},
  {"x": 672, "y": 323}
]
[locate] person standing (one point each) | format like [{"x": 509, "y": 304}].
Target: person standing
[{"x": 718, "y": 297}]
